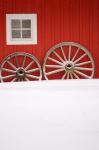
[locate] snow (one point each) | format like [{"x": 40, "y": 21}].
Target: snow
[{"x": 49, "y": 115}]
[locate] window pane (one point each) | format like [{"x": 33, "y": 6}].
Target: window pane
[
  {"x": 26, "y": 33},
  {"x": 15, "y": 23},
  {"x": 16, "y": 34},
  {"x": 26, "y": 23}
]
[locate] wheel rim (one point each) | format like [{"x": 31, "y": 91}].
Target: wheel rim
[
  {"x": 68, "y": 60},
  {"x": 20, "y": 66}
]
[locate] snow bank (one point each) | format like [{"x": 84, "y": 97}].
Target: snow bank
[{"x": 49, "y": 115}]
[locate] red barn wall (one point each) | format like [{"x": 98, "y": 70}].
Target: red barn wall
[{"x": 58, "y": 20}]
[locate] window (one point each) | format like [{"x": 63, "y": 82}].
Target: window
[{"x": 21, "y": 29}]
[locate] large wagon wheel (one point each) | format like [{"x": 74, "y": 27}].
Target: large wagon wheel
[
  {"x": 20, "y": 66},
  {"x": 68, "y": 60}
]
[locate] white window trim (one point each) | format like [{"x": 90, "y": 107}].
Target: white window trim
[{"x": 24, "y": 41}]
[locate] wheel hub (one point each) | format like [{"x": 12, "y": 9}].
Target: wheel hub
[
  {"x": 69, "y": 66},
  {"x": 20, "y": 73}
]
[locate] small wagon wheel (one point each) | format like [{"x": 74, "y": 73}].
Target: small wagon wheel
[
  {"x": 68, "y": 60},
  {"x": 20, "y": 66}
]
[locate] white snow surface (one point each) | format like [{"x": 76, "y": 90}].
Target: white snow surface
[{"x": 49, "y": 115}]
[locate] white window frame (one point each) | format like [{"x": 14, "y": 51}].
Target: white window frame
[{"x": 23, "y": 41}]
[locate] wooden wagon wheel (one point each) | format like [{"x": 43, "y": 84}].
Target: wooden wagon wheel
[
  {"x": 20, "y": 66},
  {"x": 68, "y": 60}
]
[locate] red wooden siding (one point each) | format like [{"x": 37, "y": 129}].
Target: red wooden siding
[{"x": 58, "y": 20}]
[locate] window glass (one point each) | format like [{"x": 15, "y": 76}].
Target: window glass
[
  {"x": 26, "y": 33},
  {"x": 16, "y": 34},
  {"x": 16, "y": 23},
  {"x": 26, "y": 23}
]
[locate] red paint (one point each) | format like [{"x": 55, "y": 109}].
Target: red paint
[{"x": 58, "y": 20}]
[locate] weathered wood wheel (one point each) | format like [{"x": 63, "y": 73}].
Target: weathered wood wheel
[
  {"x": 68, "y": 60},
  {"x": 20, "y": 66}
]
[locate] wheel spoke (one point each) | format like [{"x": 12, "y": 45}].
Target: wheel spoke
[
  {"x": 75, "y": 54},
  {"x": 71, "y": 75},
  {"x": 83, "y": 63},
  {"x": 32, "y": 76},
  {"x": 83, "y": 68},
  {"x": 24, "y": 60},
  {"x": 0, "y": 76},
  {"x": 68, "y": 75},
  {"x": 54, "y": 60},
  {"x": 19, "y": 80},
  {"x": 63, "y": 77},
  {"x": 8, "y": 70},
  {"x": 32, "y": 70},
  {"x": 58, "y": 56},
  {"x": 75, "y": 75},
  {"x": 1, "y": 80},
  {"x": 82, "y": 74},
  {"x": 53, "y": 66},
  {"x": 63, "y": 53},
  {"x": 30, "y": 64},
  {"x": 55, "y": 71},
  {"x": 13, "y": 66},
  {"x": 9, "y": 76},
  {"x": 69, "y": 54},
  {"x": 16, "y": 59},
  {"x": 80, "y": 58},
  {"x": 13, "y": 80},
  {"x": 26, "y": 79}
]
